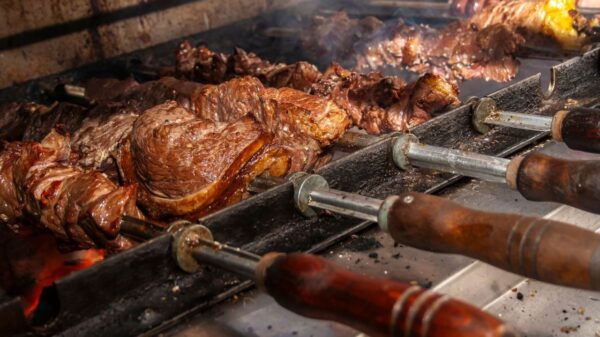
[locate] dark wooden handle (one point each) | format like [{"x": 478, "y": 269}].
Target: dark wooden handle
[
  {"x": 313, "y": 287},
  {"x": 579, "y": 128},
  {"x": 538, "y": 248},
  {"x": 540, "y": 177}
]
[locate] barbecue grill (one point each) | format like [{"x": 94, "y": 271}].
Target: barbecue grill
[{"x": 143, "y": 291}]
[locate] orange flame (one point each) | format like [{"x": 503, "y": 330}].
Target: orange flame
[{"x": 58, "y": 266}]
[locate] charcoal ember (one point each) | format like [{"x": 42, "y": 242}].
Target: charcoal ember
[{"x": 460, "y": 51}]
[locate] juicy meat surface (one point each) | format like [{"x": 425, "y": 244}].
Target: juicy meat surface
[
  {"x": 206, "y": 66},
  {"x": 381, "y": 104},
  {"x": 41, "y": 188},
  {"x": 111, "y": 94},
  {"x": 366, "y": 99},
  {"x": 460, "y": 51},
  {"x": 482, "y": 46},
  {"x": 185, "y": 164},
  {"x": 230, "y": 100},
  {"x": 303, "y": 124},
  {"x": 99, "y": 138}
]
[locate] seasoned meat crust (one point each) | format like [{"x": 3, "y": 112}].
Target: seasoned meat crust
[
  {"x": 184, "y": 164},
  {"x": 481, "y": 46},
  {"x": 40, "y": 187},
  {"x": 460, "y": 51},
  {"x": 206, "y": 66},
  {"x": 302, "y": 124},
  {"x": 366, "y": 98}
]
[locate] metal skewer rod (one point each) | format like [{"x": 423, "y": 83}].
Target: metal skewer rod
[
  {"x": 537, "y": 176},
  {"x": 314, "y": 287},
  {"x": 486, "y": 113},
  {"x": 578, "y": 128},
  {"x": 408, "y": 151},
  {"x": 345, "y": 203},
  {"x": 436, "y": 224},
  {"x": 543, "y": 249}
]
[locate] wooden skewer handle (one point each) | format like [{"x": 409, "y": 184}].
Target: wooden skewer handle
[
  {"x": 538, "y": 248},
  {"x": 578, "y": 128},
  {"x": 313, "y": 287},
  {"x": 540, "y": 177}
]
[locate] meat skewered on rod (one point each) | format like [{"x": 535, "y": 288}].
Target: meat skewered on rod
[
  {"x": 313, "y": 287},
  {"x": 578, "y": 128},
  {"x": 546, "y": 250},
  {"x": 538, "y": 177},
  {"x": 482, "y": 46}
]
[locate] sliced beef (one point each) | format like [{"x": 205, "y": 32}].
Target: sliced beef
[
  {"x": 366, "y": 98},
  {"x": 98, "y": 139},
  {"x": 381, "y": 104},
  {"x": 187, "y": 165},
  {"x": 41, "y": 188},
  {"x": 301, "y": 123},
  {"x": 481, "y": 46},
  {"x": 206, "y": 66},
  {"x": 460, "y": 51}
]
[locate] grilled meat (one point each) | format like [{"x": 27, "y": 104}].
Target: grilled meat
[
  {"x": 14, "y": 118},
  {"x": 483, "y": 46},
  {"x": 98, "y": 130},
  {"x": 40, "y": 187},
  {"x": 111, "y": 94},
  {"x": 303, "y": 124},
  {"x": 458, "y": 52},
  {"x": 98, "y": 138},
  {"x": 540, "y": 22},
  {"x": 187, "y": 165},
  {"x": 365, "y": 97},
  {"x": 206, "y": 66},
  {"x": 381, "y": 104}
]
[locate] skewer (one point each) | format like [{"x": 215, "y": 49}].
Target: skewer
[
  {"x": 546, "y": 250},
  {"x": 538, "y": 177},
  {"x": 349, "y": 141},
  {"x": 542, "y": 249},
  {"x": 578, "y": 128},
  {"x": 313, "y": 287}
]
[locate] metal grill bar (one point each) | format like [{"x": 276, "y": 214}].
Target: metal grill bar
[{"x": 350, "y": 204}]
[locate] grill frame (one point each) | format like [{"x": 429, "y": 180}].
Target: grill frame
[{"x": 134, "y": 291}]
